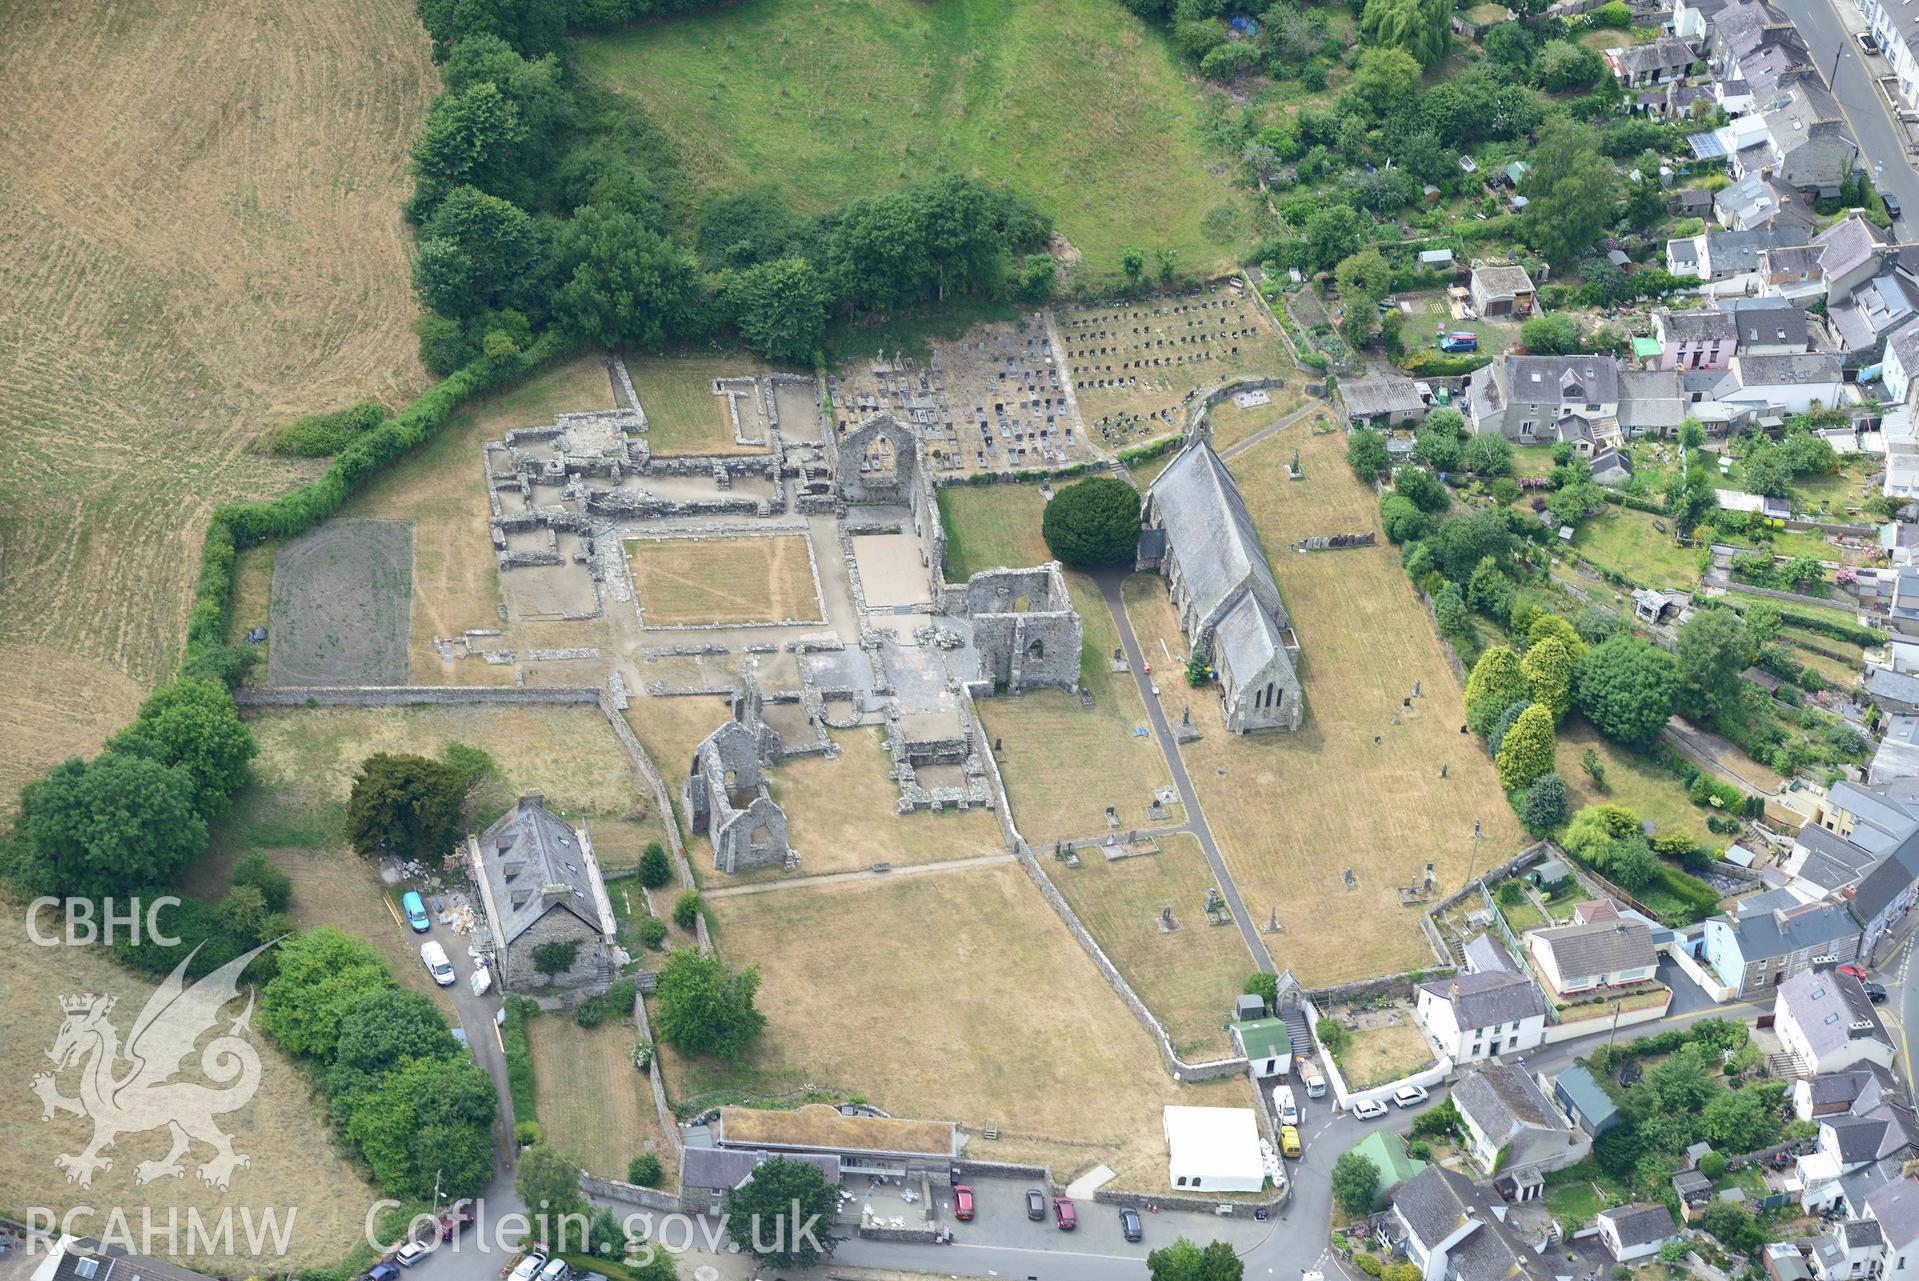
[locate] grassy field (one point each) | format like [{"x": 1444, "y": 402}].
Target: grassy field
[
  {"x": 1625, "y": 542},
  {"x": 198, "y": 242},
  {"x": 1631, "y": 780},
  {"x": 1292, "y": 811},
  {"x": 735, "y": 580},
  {"x": 992, "y": 1016},
  {"x": 1063, "y": 763},
  {"x": 442, "y": 490},
  {"x": 1074, "y": 105},
  {"x": 293, "y": 1159},
  {"x": 593, "y": 1105},
  {"x": 683, "y": 416},
  {"x": 1188, "y": 978}
]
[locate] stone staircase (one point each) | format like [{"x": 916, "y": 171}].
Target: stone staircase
[{"x": 1297, "y": 1031}]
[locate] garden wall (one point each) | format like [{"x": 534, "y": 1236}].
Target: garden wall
[{"x": 1380, "y": 1093}]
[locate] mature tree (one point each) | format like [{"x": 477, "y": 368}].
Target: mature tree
[
  {"x": 1496, "y": 683},
  {"x": 1363, "y": 279},
  {"x": 1093, "y": 522},
  {"x": 1332, "y": 234},
  {"x": 323, "y": 976},
  {"x": 1565, "y": 65},
  {"x": 194, "y": 725},
  {"x": 1496, "y": 736},
  {"x": 784, "y": 1213},
  {"x": 478, "y": 252},
  {"x": 1631, "y": 863},
  {"x": 108, "y": 826},
  {"x": 275, "y": 886},
  {"x": 703, "y": 1007},
  {"x": 1450, "y": 612},
  {"x": 1460, "y": 541},
  {"x": 1366, "y": 453},
  {"x": 382, "y": 1028},
  {"x": 468, "y": 139},
  {"x": 656, "y": 870},
  {"x": 1742, "y": 1120},
  {"x": 1509, "y": 47},
  {"x": 1767, "y": 471},
  {"x": 622, "y": 283},
  {"x": 1402, "y": 521},
  {"x": 1385, "y": 80},
  {"x": 1184, "y": 1261},
  {"x": 779, "y": 307},
  {"x": 403, "y": 805},
  {"x": 1424, "y": 489},
  {"x": 1711, "y": 651},
  {"x": 533, "y": 27},
  {"x": 1548, "y": 667},
  {"x": 427, "y": 1128},
  {"x": 1355, "y": 1183},
  {"x": 1263, "y": 985},
  {"x": 548, "y": 1182},
  {"x": 1545, "y": 625},
  {"x": 1625, "y": 687},
  {"x": 1545, "y": 804},
  {"x": 1594, "y": 829},
  {"x": 1488, "y": 454},
  {"x": 536, "y": 87},
  {"x": 1437, "y": 450},
  {"x": 1489, "y": 590},
  {"x": 1549, "y": 335},
  {"x": 1527, "y": 751},
  {"x": 1423, "y": 28},
  {"x": 1571, "y": 190}
]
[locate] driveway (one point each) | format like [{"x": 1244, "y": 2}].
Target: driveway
[
  {"x": 1839, "y": 58},
  {"x": 478, "y": 1015}
]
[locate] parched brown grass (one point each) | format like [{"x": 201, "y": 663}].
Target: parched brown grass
[
  {"x": 683, "y": 416},
  {"x": 441, "y": 489},
  {"x": 984, "y": 1011},
  {"x": 199, "y": 240},
  {"x": 1377, "y": 1055},
  {"x": 293, "y": 1159},
  {"x": 592, "y": 1103},
  {"x": 681, "y": 581},
  {"x": 1189, "y": 977}
]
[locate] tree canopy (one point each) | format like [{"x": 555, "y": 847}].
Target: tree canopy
[
  {"x": 783, "y": 1214},
  {"x": 1527, "y": 751},
  {"x": 1184, "y": 1261},
  {"x": 1422, "y": 28},
  {"x": 427, "y": 1128},
  {"x": 1571, "y": 190},
  {"x": 193, "y": 724},
  {"x": 1625, "y": 687},
  {"x": 1710, "y": 652},
  {"x": 703, "y": 1007},
  {"x": 1093, "y": 522},
  {"x": 108, "y": 826},
  {"x": 1355, "y": 1183},
  {"x": 1496, "y": 683},
  {"x": 404, "y": 805},
  {"x": 323, "y": 976}
]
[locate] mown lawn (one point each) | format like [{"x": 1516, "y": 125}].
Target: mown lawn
[
  {"x": 1625, "y": 542},
  {"x": 1075, "y": 105},
  {"x": 1633, "y": 780}
]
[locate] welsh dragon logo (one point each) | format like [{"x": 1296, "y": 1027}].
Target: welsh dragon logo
[{"x": 132, "y": 1090}]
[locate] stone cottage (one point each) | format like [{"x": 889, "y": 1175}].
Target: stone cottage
[
  {"x": 1196, "y": 531},
  {"x": 540, "y": 883}
]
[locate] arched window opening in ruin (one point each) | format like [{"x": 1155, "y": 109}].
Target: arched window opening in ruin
[
  {"x": 760, "y": 838},
  {"x": 1036, "y": 650}
]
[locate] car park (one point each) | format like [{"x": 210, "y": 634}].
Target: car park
[
  {"x": 1063, "y": 1211},
  {"x": 1289, "y": 1142},
  {"x": 1036, "y": 1205},
  {"x": 962, "y": 1203},
  {"x": 1369, "y": 1109},
  {"x": 1131, "y": 1226},
  {"x": 434, "y": 957},
  {"x": 415, "y": 908},
  {"x": 1410, "y": 1096}
]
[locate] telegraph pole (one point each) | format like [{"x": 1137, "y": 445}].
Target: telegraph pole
[{"x": 1475, "y": 858}]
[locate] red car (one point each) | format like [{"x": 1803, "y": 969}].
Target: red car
[
  {"x": 1068, "y": 1217},
  {"x": 962, "y": 1203},
  {"x": 1853, "y": 970}
]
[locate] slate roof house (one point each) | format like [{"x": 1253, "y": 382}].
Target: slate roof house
[
  {"x": 1895, "y": 1208},
  {"x": 1696, "y": 339},
  {"x": 1856, "y": 1089},
  {"x": 540, "y": 883},
  {"x": 1772, "y": 936},
  {"x": 1509, "y": 1123},
  {"x": 1475, "y": 1016},
  {"x": 1824, "y": 1019},
  {"x": 1649, "y": 64},
  {"x": 1530, "y": 399},
  {"x": 1611, "y": 467},
  {"x": 1447, "y": 1229},
  {"x": 1581, "y": 957},
  {"x": 1651, "y": 402},
  {"x": 1196, "y": 531},
  {"x": 1383, "y": 402},
  {"x": 1634, "y": 1232}
]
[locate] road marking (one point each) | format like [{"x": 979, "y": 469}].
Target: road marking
[{"x": 1030, "y": 1249}]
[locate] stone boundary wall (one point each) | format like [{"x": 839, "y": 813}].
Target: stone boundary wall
[
  {"x": 629, "y": 1194},
  {"x": 1180, "y": 1069},
  {"x": 1197, "y": 413},
  {"x": 623, "y": 386},
  {"x": 1173, "y": 1201}
]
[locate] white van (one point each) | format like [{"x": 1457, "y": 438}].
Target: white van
[
  {"x": 1285, "y": 1105},
  {"x": 1312, "y": 1078},
  {"x": 436, "y": 962}
]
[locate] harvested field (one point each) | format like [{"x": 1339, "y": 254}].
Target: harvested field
[
  {"x": 696, "y": 581},
  {"x": 1059, "y": 1066},
  {"x": 280, "y": 1131},
  {"x": 683, "y": 416},
  {"x": 592, "y": 1104},
  {"x": 1292, "y": 811},
  {"x": 1079, "y": 109},
  {"x": 442, "y": 492},
  {"x": 1189, "y": 977},
  {"x": 199, "y": 241},
  {"x": 340, "y": 602}
]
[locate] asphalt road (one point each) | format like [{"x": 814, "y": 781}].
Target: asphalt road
[{"x": 1881, "y": 139}]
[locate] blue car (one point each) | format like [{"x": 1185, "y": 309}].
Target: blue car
[{"x": 416, "y": 912}]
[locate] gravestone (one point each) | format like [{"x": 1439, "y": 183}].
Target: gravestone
[
  {"x": 1352, "y": 882},
  {"x": 1166, "y": 922}
]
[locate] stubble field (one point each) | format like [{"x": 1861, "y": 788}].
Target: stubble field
[{"x": 199, "y": 239}]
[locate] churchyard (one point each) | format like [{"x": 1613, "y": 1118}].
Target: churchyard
[
  {"x": 958, "y": 994},
  {"x": 282, "y": 1131},
  {"x": 159, "y": 322},
  {"x": 589, "y": 1100},
  {"x": 1080, "y": 110},
  {"x": 1136, "y": 365}
]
